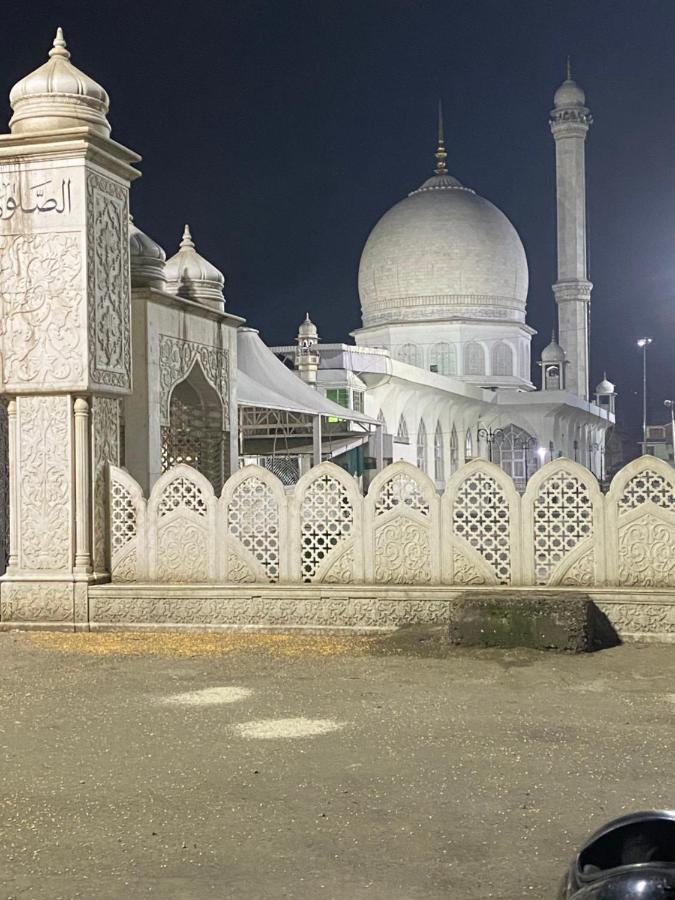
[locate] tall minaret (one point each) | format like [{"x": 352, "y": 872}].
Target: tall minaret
[{"x": 570, "y": 121}]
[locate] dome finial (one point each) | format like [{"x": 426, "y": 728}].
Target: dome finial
[
  {"x": 59, "y": 45},
  {"x": 187, "y": 238},
  {"x": 568, "y": 68},
  {"x": 441, "y": 155}
]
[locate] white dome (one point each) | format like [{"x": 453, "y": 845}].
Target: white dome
[
  {"x": 553, "y": 352},
  {"x": 192, "y": 277},
  {"x": 605, "y": 387},
  {"x": 58, "y": 95},
  {"x": 146, "y": 259},
  {"x": 569, "y": 94},
  {"x": 443, "y": 252}
]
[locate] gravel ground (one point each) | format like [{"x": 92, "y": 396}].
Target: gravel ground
[{"x": 272, "y": 766}]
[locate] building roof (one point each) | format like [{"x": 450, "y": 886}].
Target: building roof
[{"x": 264, "y": 381}]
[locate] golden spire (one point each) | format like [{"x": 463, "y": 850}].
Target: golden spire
[{"x": 441, "y": 155}]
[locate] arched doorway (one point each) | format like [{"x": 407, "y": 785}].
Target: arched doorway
[{"x": 195, "y": 434}]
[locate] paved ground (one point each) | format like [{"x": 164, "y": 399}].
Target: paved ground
[{"x": 467, "y": 777}]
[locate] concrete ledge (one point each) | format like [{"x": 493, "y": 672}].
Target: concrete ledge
[
  {"x": 541, "y": 620},
  {"x": 636, "y": 615}
]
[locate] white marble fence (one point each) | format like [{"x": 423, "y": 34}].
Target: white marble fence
[{"x": 561, "y": 531}]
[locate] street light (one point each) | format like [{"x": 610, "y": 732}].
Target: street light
[
  {"x": 489, "y": 435},
  {"x": 541, "y": 453},
  {"x": 669, "y": 404},
  {"x": 643, "y": 343}
]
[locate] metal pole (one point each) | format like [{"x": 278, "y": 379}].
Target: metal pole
[{"x": 670, "y": 404}]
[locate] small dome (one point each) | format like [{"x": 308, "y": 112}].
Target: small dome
[
  {"x": 308, "y": 329},
  {"x": 146, "y": 258},
  {"x": 192, "y": 277},
  {"x": 605, "y": 387},
  {"x": 553, "y": 352},
  {"x": 57, "y": 95},
  {"x": 569, "y": 94}
]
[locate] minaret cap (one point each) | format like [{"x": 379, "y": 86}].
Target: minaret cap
[
  {"x": 308, "y": 329},
  {"x": 57, "y": 95},
  {"x": 569, "y": 93}
]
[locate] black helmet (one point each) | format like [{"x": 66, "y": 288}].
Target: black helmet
[{"x": 631, "y": 858}]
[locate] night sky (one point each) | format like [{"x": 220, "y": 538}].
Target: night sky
[{"x": 282, "y": 130}]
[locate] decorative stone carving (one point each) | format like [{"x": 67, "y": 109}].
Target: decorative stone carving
[
  {"x": 182, "y": 552},
  {"x": 176, "y": 359},
  {"x": 480, "y": 515},
  {"x": 44, "y": 490},
  {"x": 126, "y": 569},
  {"x": 44, "y": 602},
  {"x": 327, "y": 518},
  {"x": 644, "y": 487},
  {"x": 342, "y": 570},
  {"x": 41, "y": 282},
  {"x": 402, "y": 553},
  {"x": 108, "y": 285},
  {"x": 582, "y": 572},
  {"x": 401, "y": 488},
  {"x": 640, "y": 619},
  {"x": 315, "y": 611},
  {"x": 253, "y": 520},
  {"x": 238, "y": 571},
  {"x": 563, "y": 516},
  {"x": 647, "y": 553},
  {"x": 105, "y": 437},
  {"x": 465, "y": 572}
]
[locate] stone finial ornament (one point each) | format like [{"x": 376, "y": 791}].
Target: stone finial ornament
[
  {"x": 57, "y": 95},
  {"x": 192, "y": 277}
]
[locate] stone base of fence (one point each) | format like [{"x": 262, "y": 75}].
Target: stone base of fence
[{"x": 635, "y": 614}]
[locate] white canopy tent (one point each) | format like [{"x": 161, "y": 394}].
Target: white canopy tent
[{"x": 264, "y": 383}]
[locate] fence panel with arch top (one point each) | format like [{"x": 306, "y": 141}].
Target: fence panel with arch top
[{"x": 561, "y": 532}]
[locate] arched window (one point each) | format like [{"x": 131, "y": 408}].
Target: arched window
[
  {"x": 443, "y": 359},
  {"x": 407, "y": 353},
  {"x": 439, "y": 462},
  {"x": 195, "y": 434},
  {"x": 502, "y": 359},
  {"x": 382, "y": 420},
  {"x": 454, "y": 450},
  {"x": 515, "y": 451},
  {"x": 402, "y": 433},
  {"x": 552, "y": 377},
  {"x": 468, "y": 445},
  {"x": 422, "y": 447},
  {"x": 474, "y": 359}
]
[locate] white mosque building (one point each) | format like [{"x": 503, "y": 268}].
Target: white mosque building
[{"x": 442, "y": 359}]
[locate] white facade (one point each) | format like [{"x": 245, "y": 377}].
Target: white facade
[{"x": 445, "y": 346}]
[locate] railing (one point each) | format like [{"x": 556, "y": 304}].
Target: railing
[{"x": 561, "y": 531}]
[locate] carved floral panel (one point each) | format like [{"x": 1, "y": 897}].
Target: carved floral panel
[
  {"x": 402, "y": 553},
  {"x": 647, "y": 553},
  {"x": 108, "y": 283},
  {"x": 182, "y": 552},
  {"x": 42, "y": 310},
  {"x": 44, "y": 488}
]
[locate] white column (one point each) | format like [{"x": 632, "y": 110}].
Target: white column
[
  {"x": 316, "y": 440},
  {"x": 570, "y": 121},
  {"x": 13, "y": 555},
  {"x": 82, "y": 488}
]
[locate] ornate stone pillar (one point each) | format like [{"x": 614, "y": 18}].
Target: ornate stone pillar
[{"x": 65, "y": 336}]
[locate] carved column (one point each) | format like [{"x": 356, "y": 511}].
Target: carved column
[
  {"x": 13, "y": 557},
  {"x": 82, "y": 488}
]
